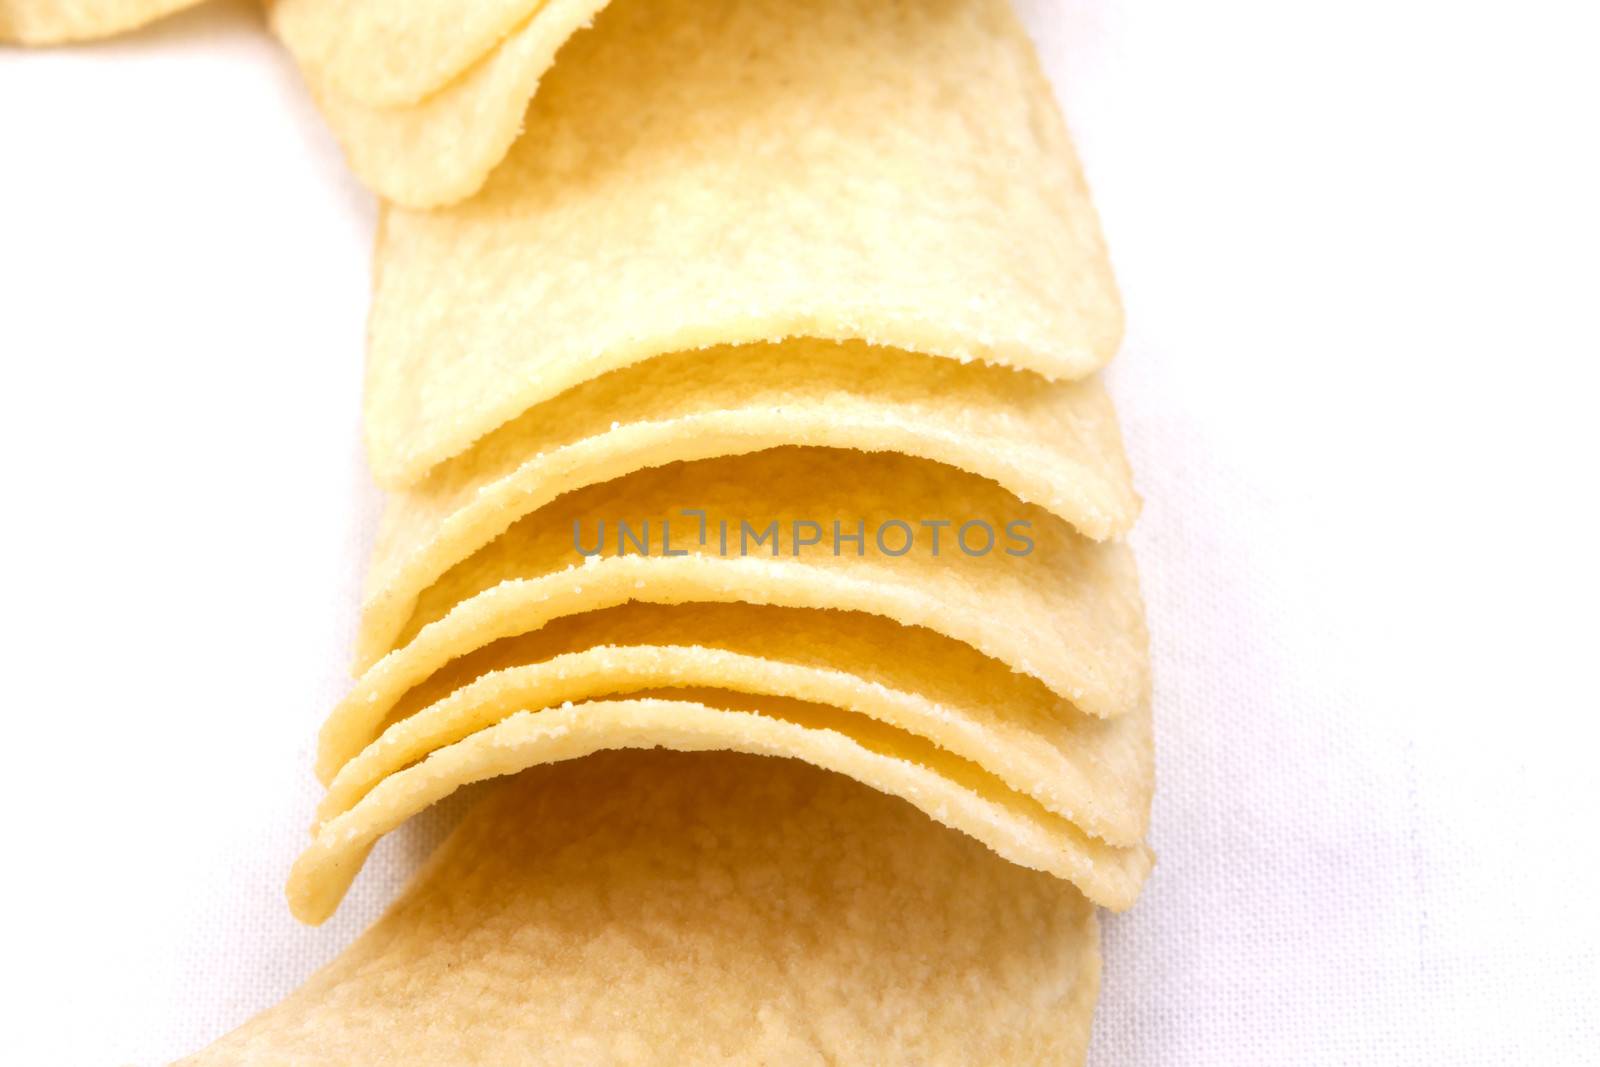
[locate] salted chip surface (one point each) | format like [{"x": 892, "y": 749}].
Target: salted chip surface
[
  {"x": 792, "y": 527},
  {"x": 704, "y": 172},
  {"x": 1053, "y": 443},
  {"x": 42, "y": 22},
  {"x": 950, "y": 790},
  {"x": 660, "y": 908},
  {"x": 1097, "y": 773}
]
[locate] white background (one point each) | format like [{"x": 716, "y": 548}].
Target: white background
[{"x": 1360, "y": 250}]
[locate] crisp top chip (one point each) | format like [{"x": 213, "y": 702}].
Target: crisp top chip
[
  {"x": 704, "y": 172},
  {"x": 41, "y": 22},
  {"x": 1067, "y": 611},
  {"x": 1097, "y": 773},
  {"x": 658, "y": 908},
  {"x": 952, "y": 791},
  {"x": 1053, "y": 443}
]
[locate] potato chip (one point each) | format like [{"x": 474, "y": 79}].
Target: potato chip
[
  {"x": 659, "y": 908},
  {"x": 1097, "y": 773},
  {"x": 440, "y": 149},
  {"x": 1066, "y": 610},
  {"x": 42, "y": 22},
  {"x": 950, "y": 790},
  {"x": 705, "y": 172},
  {"x": 396, "y": 51},
  {"x": 1056, "y": 444}
]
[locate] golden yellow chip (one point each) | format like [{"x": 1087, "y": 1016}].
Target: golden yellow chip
[
  {"x": 1097, "y": 773},
  {"x": 705, "y": 172},
  {"x": 656, "y": 908},
  {"x": 396, "y": 51},
  {"x": 441, "y": 148},
  {"x": 950, "y": 790},
  {"x": 1040, "y": 598},
  {"x": 1053, "y": 443},
  {"x": 41, "y": 22}
]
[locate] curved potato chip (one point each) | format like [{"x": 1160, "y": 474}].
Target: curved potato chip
[
  {"x": 441, "y": 149},
  {"x": 950, "y": 790},
  {"x": 43, "y": 22},
  {"x": 659, "y": 908},
  {"x": 1097, "y": 773},
  {"x": 390, "y": 52},
  {"x": 723, "y": 171},
  {"x": 1053, "y": 443},
  {"x": 1066, "y": 612}
]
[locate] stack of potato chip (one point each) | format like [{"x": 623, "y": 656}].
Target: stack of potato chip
[{"x": 733, "y": 377}]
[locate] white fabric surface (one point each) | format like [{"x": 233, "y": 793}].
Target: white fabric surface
[{"x": 1359, "y": 249}]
